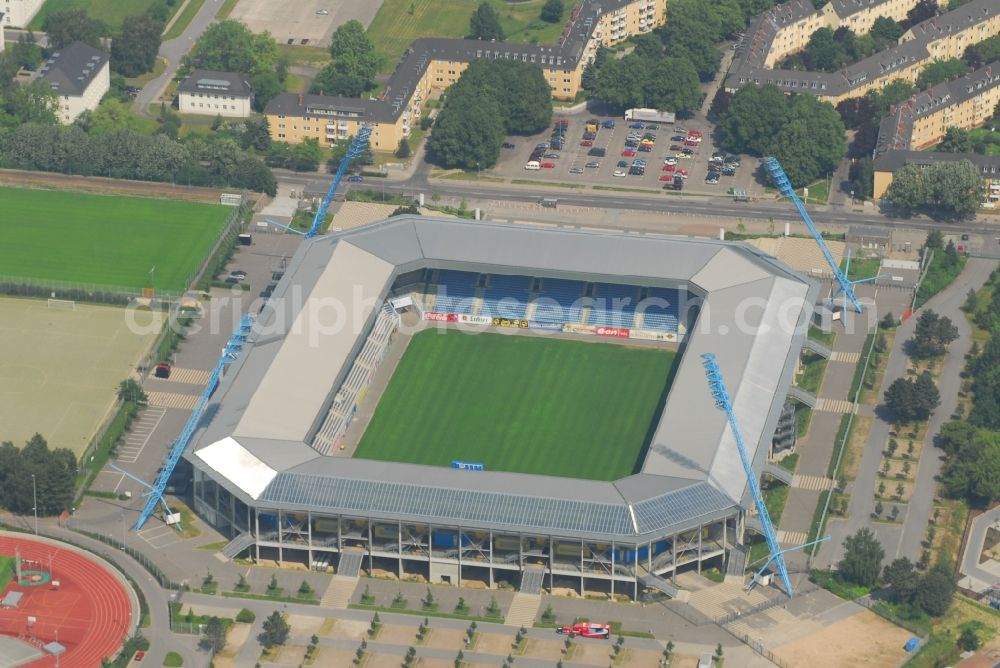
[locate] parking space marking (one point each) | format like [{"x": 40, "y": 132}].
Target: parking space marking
[
  {"x": 187, "y": 376},
  {"x": 173, "y": 400},
  {"x": 138, "y": 437},
  {"x": 159, "y": 536}
]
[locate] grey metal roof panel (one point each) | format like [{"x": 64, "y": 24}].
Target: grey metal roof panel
[
  {"x": 215, "y": 82},
  {"x": 683, "y": 506},
  {"x": 69, "y": 70}
]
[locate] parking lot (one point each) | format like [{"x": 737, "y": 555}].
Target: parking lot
[{"x": 574, "y": 163}]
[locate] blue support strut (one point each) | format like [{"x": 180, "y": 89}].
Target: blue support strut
[
  {"x": 155, "y": 494},
  {"x": 722, "y": 401},
  {"x": 356, "y": 148},
  {"x": 784, "y": 186}
]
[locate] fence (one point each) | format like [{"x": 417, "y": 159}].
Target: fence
[
  {"x": 23, "y": 286},
  {"x": 883, "y": 612}
]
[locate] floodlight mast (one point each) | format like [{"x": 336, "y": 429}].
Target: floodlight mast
[
  {"x": 846, "y": 285},
  {"x": 358, "y": 146},
  {"x": 156, "y": 490},
  {"x": 721, "y": 395}
]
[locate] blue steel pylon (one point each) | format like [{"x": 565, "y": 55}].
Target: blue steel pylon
[
  {"x": 722, "y": 401},
  {"x": 846, "y": 285},
  {"x": 155, "y": 493},
  {"x": 356, "y": 148}
]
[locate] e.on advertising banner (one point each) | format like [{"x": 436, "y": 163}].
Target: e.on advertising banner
[
  {"x": 577, "y": 328},
  {"x": 440, "y": 317},
  {"x": 614, "y": 332}
]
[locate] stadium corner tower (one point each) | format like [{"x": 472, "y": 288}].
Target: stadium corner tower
[{"x": 273, "y": 464}]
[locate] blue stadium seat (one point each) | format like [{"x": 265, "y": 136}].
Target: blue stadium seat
[
  {"x": 506, "y": 296},
  {"x": 559, "y": 301},
  {"x": 456, "y": 291},
  {"x": 614, "y": 305},
  {"x": 659, "y": 316}
]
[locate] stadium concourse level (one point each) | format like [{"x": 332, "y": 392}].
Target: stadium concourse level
[{"x": 554, "y": 301}]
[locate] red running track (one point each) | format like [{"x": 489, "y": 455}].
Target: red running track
[{"x": 89, "y": 614}]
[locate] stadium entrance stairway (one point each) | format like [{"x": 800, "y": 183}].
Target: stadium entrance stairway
[
  {"x": 237, "y": 545},
  {"x": 651, "y": 581},
  {"x": 522, "y": 610},
  {"x": 338, "y": 594},
  {"x": 799, "y": 394}
]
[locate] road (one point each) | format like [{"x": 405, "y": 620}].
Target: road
[
  {"x": 173, "y": 50},
  {"x": 315, "y": 185}
]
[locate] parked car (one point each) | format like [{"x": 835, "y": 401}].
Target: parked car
[
  {"x": 683, "y": 173},
  {"x": 683, "y": 156},
  {"x": 162, "y": 370},
  {"x": 532, "y": 166},
  {"x": 728, "y": 171},
  {"x": 628, "y": 153},
  {"x": 608, "y": 124},
  {"x": 590, "y": 135},
  {"x": 635, "y": 126},
  {"x": 666, "y": 177},
  {"x": 694, "y": 133},
  {"x": 552, "y": 156},
  {"x": 670, "y": 160},
  {"x": 687, "y": 151},
  {"x": 622, "y": 163},
  {"x": 140, "y": 655},
  {"x": 598, "y": 152},
  {"x": 576, "y": 170},
  {"x": 355, "y": 178},
  {"x": 677, "y": 138},
  {"x": 544, "y": 146},
  {"x": 593, "y": 165},
  {"x": 619, "y": 172},
  {"x": 645, "y": 148},
  {"x": 507, "y": 144},
  {"x": 720, "y": 155},
  {"x": 667, "y": 168},
  {"x": 548, "y": 165},
  {"x": 675, "y": 147},
  {"x": 586, "y": 142}
]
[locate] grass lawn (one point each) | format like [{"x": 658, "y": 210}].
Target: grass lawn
[
  {"x": 111, "y": 12},
  {"x": 173, "y": 660},
  {"x": 6, "y": 570},
  {"x": 861, "y": 267},
  {"x": 813, "y": 368},
  {"x": 819, "y": 192},
  {"x": 520, "y": 403},
  {"x": 395, "y": 27},
  {"x": 82, "y": 238},
  {"x": 823, "y": 336}
]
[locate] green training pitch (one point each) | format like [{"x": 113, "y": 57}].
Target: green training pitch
[
  {"x": 520, "y": 403},
  {"x": 6, "y": 570},
  {"x": 104, "y": 239}
]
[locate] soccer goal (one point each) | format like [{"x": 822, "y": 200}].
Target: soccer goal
[{"x": 64, "y": 304}]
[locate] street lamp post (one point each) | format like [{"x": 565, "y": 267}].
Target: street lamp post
[
  {"x": 123, "y": 529},
  {"x": 34, "y": 500}
]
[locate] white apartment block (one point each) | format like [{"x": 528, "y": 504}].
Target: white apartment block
[
  {"x": 18, "y": 13},
  {"x": 79, "y": 75}
]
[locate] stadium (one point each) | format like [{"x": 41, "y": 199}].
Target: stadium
[{"x": 502, "y": 403}]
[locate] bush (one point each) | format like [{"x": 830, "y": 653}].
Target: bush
[{"x": 246, "y": 616}]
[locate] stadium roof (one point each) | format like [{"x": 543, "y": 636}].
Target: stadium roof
[{"x": 753, "y": 316}]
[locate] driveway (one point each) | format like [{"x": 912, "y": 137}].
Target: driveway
[{"x": 173, "y": 50}]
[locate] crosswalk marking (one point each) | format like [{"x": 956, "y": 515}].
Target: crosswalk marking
[
  {"x": 172, "y": 400},
  {"x": 844, "y": 356},
  {"x": 187, "y": 376},
  {"x": 835, "y": 406},
  {"x": 792, "y": 537},
  {"x": 813, "y": 483}
]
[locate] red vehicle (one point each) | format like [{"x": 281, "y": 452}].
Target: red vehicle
[
  {"x": 681, "y": 173},
  {"x": 628, "y": 153},
  {"x": 694, "y": 133},
  {"x": 688, "y": 142},
  {"x": 162, "y": 370},
  {"x": 140, "y": 655},
  {"x": 586, "y": 630},
  {"x": 666, "y": 177},
  {"x": 668, "y": 168},
  {"x": 548, "y": 165},
  {"x": 586, "y": 142}
]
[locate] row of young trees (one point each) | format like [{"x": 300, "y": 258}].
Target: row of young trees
[{"x": 492, "y": 99}]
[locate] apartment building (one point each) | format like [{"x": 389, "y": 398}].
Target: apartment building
[
  {"x": 436, "y": 63},
  {"x": 215, "y": 94},
  {"x": 860, "y": 15},
  {"x": 945, "y": 36},
  {"x": 988, "y": 165},
  {"x": 79, "y": 76},
  {"x": 18, "y": 13},
  {"x": 2, "y": 45}
]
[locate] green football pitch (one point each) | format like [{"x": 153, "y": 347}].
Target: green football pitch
[
  {"x": 520, "y": 403},
  {"x": 6, "y": 570},
  {"x": 104, "y": 239}
]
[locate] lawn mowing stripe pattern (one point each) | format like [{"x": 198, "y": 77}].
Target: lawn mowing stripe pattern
[
  {"x": 104, "y": 240},
  {"x": 521, "y": 404}
]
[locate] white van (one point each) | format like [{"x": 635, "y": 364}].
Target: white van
[
  {"x": 705, "y": 661},
  {"x": 533, "y": 165}
]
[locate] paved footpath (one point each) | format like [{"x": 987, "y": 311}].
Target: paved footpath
[{"x": 904, "y": 539}]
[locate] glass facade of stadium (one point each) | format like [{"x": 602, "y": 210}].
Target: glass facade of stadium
[{"x": 450, "y": 554}]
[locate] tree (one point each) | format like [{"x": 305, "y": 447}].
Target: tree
[
  {"x": 754, "y": 116},
  {"x": 912, "y": 400},
  {"x": 275, "y": 631},
  {"x": 672, "y": 85},
  {"x": 354, "y": 65},
  {"x": 229, "y": 46},
  {"x": 862, "y": 560},
  {"x": 403, "y": 150},
  {"x": 862, "y": 177},
  {"x": 35, "y": 102},
  {"x": 214, "y": 636},
  {"x": 973, "y": 472},
  {"x": 939, "y": 71},
  {"x": 935, "y": 591},
  {"x": 66, "y": 26},
  {"x": 812, "y": 141},
  {"x": 923, "y": 10},
  {"x": 552, "y": 11},
  {"x": 266, "y": 86},
  {"x": 485, "y": 24},
  {"x": 350, "y": 39},
  {"x": 950, "y": 190},
  {"x": 885, "y": 32},
  {"x": 823, "y": 52},
  {"x": 956, "y": 140},
  {"x": 968, "y": 640},
  {"x": 931, "y": 335},
  {"x": 130, "y": 390},
  {"x": 134, "y": 49}
]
